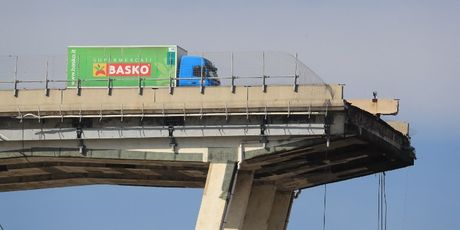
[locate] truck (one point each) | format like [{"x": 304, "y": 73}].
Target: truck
[{"x": 135, "y": 66}]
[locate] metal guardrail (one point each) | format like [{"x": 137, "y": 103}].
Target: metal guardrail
[
  {"x": 141, "y": 85},
  {"x": 237, "y": 69}
]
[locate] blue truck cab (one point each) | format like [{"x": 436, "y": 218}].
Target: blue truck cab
[{"x": 195, "y": 68}]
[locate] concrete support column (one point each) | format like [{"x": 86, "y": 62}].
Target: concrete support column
[
  {"x": 239, "y": 201},
  {"x": 281, "y": 209},
  {"x": 215, "y": 195},
  {"x": 268, "y": 208},
  {"x": 259, "y": 207}
]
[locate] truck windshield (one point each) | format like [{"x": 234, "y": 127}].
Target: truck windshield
[
  {"x": 212, "y": 70},
  {"x": 212, "y": 73}
]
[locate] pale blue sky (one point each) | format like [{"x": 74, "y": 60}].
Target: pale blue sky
[{"x": 403, "y": 49}]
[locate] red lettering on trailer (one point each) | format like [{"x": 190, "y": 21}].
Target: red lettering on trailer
[{"x": 129, "y": 69}]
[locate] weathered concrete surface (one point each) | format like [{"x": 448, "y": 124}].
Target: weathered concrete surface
[
  {"x": 281, "y": 207},
  {"x": 402, "y": 127},
  {"x": 259, "y": 207},
  {"x": 33, "y": 172},
  {"x": 93, "y": 101},
  {"x": 377, "y": 106},
  {"x": 239, "y": 202},
  {"x": 215, "y": 196},
  {"x": 190, "y": 139},
  {"x": 356, "y": 142}
]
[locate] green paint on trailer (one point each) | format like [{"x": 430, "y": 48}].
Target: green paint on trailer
[{"x": 150, "y": 66}]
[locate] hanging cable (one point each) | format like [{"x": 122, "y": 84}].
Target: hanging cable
[
  {"x": 382, "y": 207},
  {"x": 385, "y": 197},
  {"x": 378, "y": 203},
  {"x": 382, "y": 214},
  {"x": 324, "y": 207},
  {"x": 328, "y": 169}
]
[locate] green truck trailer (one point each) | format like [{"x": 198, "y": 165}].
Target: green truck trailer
[{"x": 123, "y": 66}]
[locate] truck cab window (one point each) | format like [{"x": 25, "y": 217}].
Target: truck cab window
[{"x": 199, "y": 71}]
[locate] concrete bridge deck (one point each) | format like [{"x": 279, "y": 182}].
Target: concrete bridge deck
[{"x": 246, "y": 148}]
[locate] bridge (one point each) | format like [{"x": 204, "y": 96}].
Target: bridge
[{"x": 250, "y": 148}]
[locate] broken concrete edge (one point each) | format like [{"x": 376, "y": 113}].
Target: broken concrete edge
[
  {"x": 391, "y": 108},
  {"x": 376, "y": 106},
  {"x": 377, "y": 131},
  {"x": 401, "y": 130},
  {"x": 402, "y": 126},
  {"x": 369, "y": 128}
]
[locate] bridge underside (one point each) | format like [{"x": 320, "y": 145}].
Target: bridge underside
[{"x": 302, "y": 163}]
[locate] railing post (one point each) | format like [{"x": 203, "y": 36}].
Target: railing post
[
  {"x": 264, "y": 86},
  {"x": 15, "y": 91},
  {"x": 232, "y": 87},
  {"x": 202, "y": 84},
  {"x": 109, "y": 87},
  {"x": 47, "y": 92},
  {"x": 79, "y": 87},
  {"x": 170, "y": 86},
  {"x": 141, "y": 89},
  {"x": 296, "y": 76},
  {"x": 296, "y": 85}
]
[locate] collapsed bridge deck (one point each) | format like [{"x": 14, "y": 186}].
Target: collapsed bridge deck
[{"x": 292, "y": 139}]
